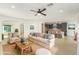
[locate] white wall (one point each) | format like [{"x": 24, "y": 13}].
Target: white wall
[
  {"x": 37, "y": 27},
  {"x": 78, "y": 43},
  {"x": 77, "y": 31},
  {"x": 13, "y": 24},
  {"x": 0, "y": 31},
  {"x": 16, "y": 26},
  {"x": 71, "y": 32},
  {"x": 72, "y": 20}
]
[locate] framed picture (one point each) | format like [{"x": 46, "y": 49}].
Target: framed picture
[{"x": 31, "y": 27}]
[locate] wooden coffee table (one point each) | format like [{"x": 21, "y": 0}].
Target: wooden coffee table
[{"x": 23, "y": 47}]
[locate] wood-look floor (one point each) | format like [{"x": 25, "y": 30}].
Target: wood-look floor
[
  {"x": 64, "y": 46},
  {"x": 0, "y": 48}
]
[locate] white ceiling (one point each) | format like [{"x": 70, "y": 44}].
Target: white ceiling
[{"x": 22, "y": 10}]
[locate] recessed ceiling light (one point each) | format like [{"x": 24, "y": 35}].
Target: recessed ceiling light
[
  {"x": 12, "y": 6},
  {"x": 61, "y": 11}
]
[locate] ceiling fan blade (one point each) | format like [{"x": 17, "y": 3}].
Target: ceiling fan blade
[
  {"x": 39, "y": 10},
  {"x": 43, "y": 10},
  {"x": 43, "y": 14},
  {"x": 33, "y": 10}
]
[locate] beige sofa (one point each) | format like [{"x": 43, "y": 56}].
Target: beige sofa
[{"x": 46, "y": 43}]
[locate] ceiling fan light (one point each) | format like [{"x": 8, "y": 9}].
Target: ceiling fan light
[{"x": 39, "y": 14}]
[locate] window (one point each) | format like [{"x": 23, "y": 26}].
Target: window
[{"x": 7, "y": 28}]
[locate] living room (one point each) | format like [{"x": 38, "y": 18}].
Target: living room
[{"x": 33, "y": 25}]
